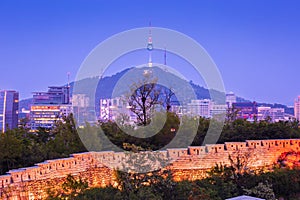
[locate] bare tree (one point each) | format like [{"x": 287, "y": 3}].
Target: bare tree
[
  {"x": 143, "y": 99},
  {"x": 146, "y": 95},
  {"x": 168, "y": 94}
]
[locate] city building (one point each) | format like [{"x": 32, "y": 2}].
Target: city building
[
  {"x": 199, "y": 107},
  {"x": 9, "y": 105},
  {"x": 297, "y": 108},
  {"x": 54, "y": 95},
  {"x": 45, "y": 116},
  {"x": 245, "y": 110},
  {"x": 177, "y": 108},
  {"x": 83, "y": 112},
  {"x": 218, "y": 109},
  {"x": 49, "y": 107},
  {"x": 80, "y": 100},
  {"x": 274, "y": 114},
  {"x": 112, "y": 109},
  {"x": 24, "y": 118},
  {"x": 263, "y": 112},
  {"x": 277, "y": 114},
  {"x": 230, "y": 99}
]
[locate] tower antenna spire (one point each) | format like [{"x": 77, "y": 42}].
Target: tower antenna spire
[{"x": 150, "y": 45}]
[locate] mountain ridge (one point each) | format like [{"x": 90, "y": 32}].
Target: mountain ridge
[{"x": 107, "y": 84}]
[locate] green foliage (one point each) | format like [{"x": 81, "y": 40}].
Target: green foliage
[
  {"x": 11, "y": 150},
  {"x": 132, "y": 182},
  {"x": 74, "y": 187},
  {"x": 121, "y": 139},
  {"x": 262, "y": 190},
  {"x": 222, "y": 180},
  {"x": 65, "y": 139},
  {"x": 21, "y": 148},
  {"x": 196, "y": 190},
  {"x": 70, "y": 189},
  {"x": 270, "y": 185},
  {"x": 107, "y": 193},
  {"x": 241, "y": 130},
  {"x": 286, "y": 183},
  {"x": 158, "y": 185}
]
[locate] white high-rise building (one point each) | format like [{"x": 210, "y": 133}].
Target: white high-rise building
[
  {"x": 199, "y": 107},
  {"x": 230, "y": 99},
  {"x": 112, "y": 109},
  {"x": 80, "y": 100},
  {"x": 297, "y": 108}
]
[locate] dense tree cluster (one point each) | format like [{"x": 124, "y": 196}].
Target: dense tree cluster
[
  {"x": 241, "y": 130},
  {"x": 21, "y": 148},
  {"x": 238, "y": 130},
  {"x": 120, "y": 138}
]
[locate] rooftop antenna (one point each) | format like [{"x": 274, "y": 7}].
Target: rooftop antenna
[
  {"x": 68, "y": 89},
  {"x": 101, "y": 76},
  {"x": 68, "y": 74}
]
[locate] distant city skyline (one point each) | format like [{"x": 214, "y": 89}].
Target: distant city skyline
[{"x": 255, "y": 44}]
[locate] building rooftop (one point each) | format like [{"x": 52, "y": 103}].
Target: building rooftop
[{"x": 244, "y": 197}]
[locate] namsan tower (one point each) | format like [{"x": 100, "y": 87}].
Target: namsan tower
[{"x": 150, "y": 46}]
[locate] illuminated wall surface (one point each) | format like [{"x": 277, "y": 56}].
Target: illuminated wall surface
[
  {"x": 9, "y": 105},
  {"x": 189, "y": 164}
]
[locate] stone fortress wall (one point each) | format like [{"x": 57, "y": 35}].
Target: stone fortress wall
[{"x": 188, "y": 163}]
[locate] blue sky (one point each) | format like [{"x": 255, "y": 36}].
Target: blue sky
[{"x": 255, "y": 44}]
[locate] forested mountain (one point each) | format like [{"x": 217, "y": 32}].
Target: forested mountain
[{"x": 107, "y": 84}]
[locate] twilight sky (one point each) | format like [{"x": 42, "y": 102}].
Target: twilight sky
[{"x": 254, "y": 43}]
